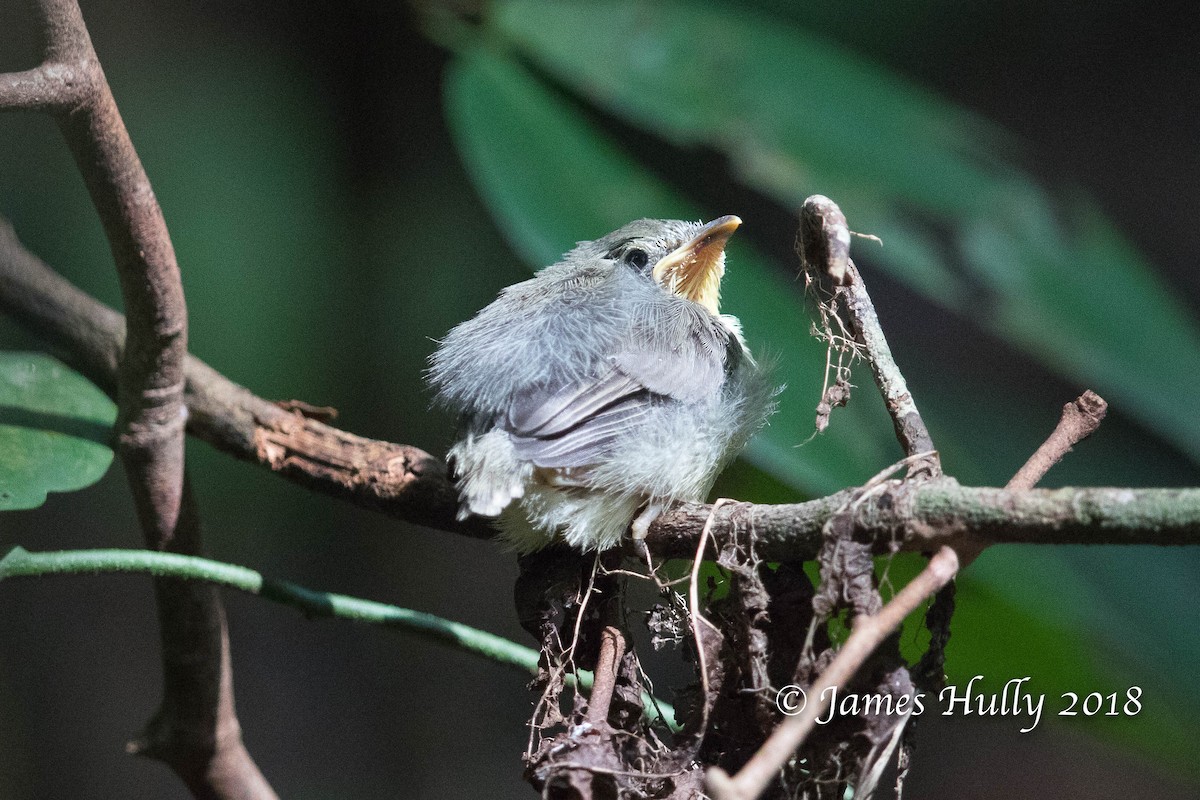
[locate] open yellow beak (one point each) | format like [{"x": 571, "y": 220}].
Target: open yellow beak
[{"x": 695, "y": 268}]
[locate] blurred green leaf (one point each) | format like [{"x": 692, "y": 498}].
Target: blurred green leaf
[
  {"x": 1062, "y": 649},
  {"x": 54, "y": 430},
  {"x": 253, "y": 208},
  {"x": 550, "y": 179},
  {"x": 961, "y": 221}
]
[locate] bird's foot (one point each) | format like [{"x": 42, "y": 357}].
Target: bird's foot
[{"x": 641, "y": 523}]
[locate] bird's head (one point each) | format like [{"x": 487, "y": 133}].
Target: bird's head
[{"x": 686, "y": 259}]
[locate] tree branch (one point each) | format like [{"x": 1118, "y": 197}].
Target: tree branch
[
  {"x": 1080, "y": 419},
  {"x": 869, "y": 632},
  {"x": 924, "y": 517},
  {"x": 608, "y": 665},
  {"x": 196, "y": 730},
  {"x": 48, "y": 87},
  {"x": 906, "y": 419},
  {"x": 21, "y": 563},
  {"x": 823, "y": 244},
  {"x": 409, "y": 484},
  {"x": 142, "y": 361},
  {"x": 399, "y": 480}
]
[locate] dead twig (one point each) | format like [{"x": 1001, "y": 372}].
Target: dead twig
[
  {"x": 824, "y": 249},
  {"x": 696, "y": 619},
  {"x": 612, "y": 650},
  {"x": 822, "y": 220},
  {"x": 868, "y": 633},
  {"x": 1080, "y": 419}
]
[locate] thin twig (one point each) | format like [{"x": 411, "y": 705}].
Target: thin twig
[
  {"x": 21, "y": 563},
  {"x": 1080, "y": 418},
  {"x": 608, "y": 665},
  {"x": 906, "y": 419},
  {"x": 868, "y": 633},
  {"x": 566, "y": 667},
  {"x": 825, "y": 251},
  {"x": 568, "y": 659},
  {"x": 696, "y": 618}
]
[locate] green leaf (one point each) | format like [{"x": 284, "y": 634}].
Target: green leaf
[
  {"x": 1005, "y": 637},
  {"x": 551, "y": 179},
  {"x": 54, "y": 430},
  {"x": 961, "y": 221},
  {"x": 252, "y": 208}
]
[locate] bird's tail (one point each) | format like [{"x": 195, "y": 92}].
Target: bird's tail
[{"x": 489, "y": 474}]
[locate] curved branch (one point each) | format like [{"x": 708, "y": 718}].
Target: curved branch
[
  {"x": 396, "y": 479},
  {"x": 21, "y": 563},
  {"x": 196, "y": 730}
]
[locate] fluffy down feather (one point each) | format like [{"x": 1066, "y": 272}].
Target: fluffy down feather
[{"x": 590, "y": 392}]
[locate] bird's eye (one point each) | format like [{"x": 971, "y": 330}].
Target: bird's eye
[{"x": 636, "y": 257}]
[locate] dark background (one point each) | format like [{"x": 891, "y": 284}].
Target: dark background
[{"x": 324, "y": 271}]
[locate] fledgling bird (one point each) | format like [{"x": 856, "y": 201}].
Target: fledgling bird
[{"x": 607, "y": 385}]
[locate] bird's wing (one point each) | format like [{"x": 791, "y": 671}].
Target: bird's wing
[
  {"x": 686, "y": 377},
  {"x": 545, "y": 413},
  {"x": 586, "y": 445},
  {"x": 574, "y": 425},
  {"x": 684, "y": 356}
]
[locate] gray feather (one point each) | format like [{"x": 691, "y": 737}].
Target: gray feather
[
  {"x": 544, "y": 411},
  {"x": 590, "y": 390},
  {"x": 588, "y": 444}
]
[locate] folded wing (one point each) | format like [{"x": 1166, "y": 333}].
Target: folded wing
[{"x": 573, "y": 426}]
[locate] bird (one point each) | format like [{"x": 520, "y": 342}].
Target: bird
[{"x": 603, "y": 390}]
